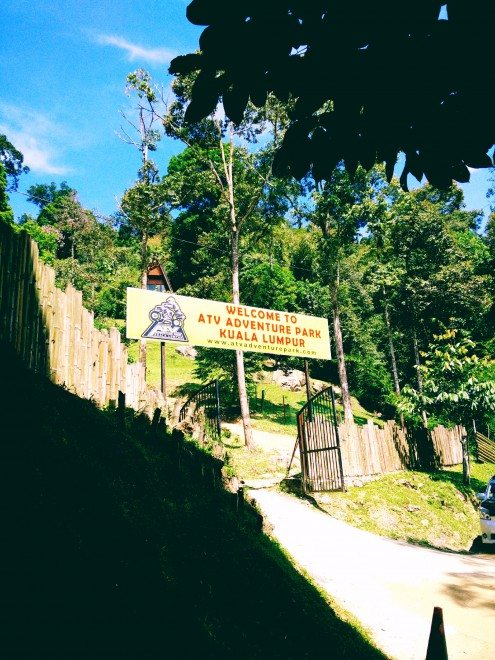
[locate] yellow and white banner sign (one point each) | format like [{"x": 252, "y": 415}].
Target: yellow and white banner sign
[{"x": 169, "y": 317}]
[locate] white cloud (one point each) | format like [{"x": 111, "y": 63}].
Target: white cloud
[
  {"x": 35, "y": 135},
  {"x": 136, "y": 52}
]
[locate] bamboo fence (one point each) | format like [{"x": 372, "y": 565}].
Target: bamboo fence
[
  {"x": 54, "y": 334},
  {"x": 485, "y": 448},
  {"x": 370, "y": 450}
]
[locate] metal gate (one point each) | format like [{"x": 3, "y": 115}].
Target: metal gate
[
  {"x": 205, "y": 407},
  {"x": 319, "y": 444}
]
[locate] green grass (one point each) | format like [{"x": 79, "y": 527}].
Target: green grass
[
  {"x": 434, "y": 510},
  {"x": 274, "y": 418},
  {"x": 256, "y": 464},
  {"x": 115, "y": 546},
  {"x": 179, "y": 370}
]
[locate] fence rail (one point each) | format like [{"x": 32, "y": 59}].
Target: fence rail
[
  {"x": 370, "y": 450},
  {"x": 485, "y": 448},
  {"x": 203, "y": 408},
  {"x": 54, "y": 334}
]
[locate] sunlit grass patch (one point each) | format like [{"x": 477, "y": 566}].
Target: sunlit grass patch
[
  {"x": 179, "y": 370},
  {"x": 428, "y": 509}
]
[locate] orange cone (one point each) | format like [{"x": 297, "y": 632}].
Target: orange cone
[{"x": 437, "y": 644}]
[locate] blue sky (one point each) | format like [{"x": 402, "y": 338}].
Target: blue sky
[{"x": 63, "y": 65}]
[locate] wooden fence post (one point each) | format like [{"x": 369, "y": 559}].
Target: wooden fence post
[{"x": 54, "y": 334}]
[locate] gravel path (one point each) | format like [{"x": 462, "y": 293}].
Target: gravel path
[
  {"x": 264, "y": 439},
  {"x": 391, "y": 587}
]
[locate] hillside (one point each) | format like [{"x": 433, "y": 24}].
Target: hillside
[{"x": 116, "y": 548}]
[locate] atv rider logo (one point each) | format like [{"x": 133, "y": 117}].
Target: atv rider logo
[{"x": 167, "y": 322}]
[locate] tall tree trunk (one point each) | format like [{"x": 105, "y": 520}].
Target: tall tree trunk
[
  {"x": 418, "y": 373},
  {"x": 393, "y": 361},
  {"x": 339, "y": 350},
  {"x": 228, "y": 163},
  {"x": 417, "y": 362},
  {"x": 144, "y": 280},
  {"x": 239, "y": 355}
]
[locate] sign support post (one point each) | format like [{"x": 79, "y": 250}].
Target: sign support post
[
  {"x": 157, "y": 280},
  {"x": 308, "y": 389}
]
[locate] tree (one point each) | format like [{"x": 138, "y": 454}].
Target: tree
[
  {"x": 239, "y": 180},
  {"x": 457, "y": 386},
  {"x": 12, "y": 161},
  {"x": 63, "y": 219},
  {"x": 47, "y": 238},
  {"x": 6, "y": 213},
  {"x": 219, "y": 364},
  {"x": 44, "y": 194},
  {"x": 200, "y": 241},
  {"x": 147, "y": 135},
  {"x": 146, "y": 210},
  {"x": 327, "y": 55},
  {"x": 342, "y": 207},
  {"x": 428, "y": 264},
  {"x": 83, "y": 250},
  {"x": 143, "y": 207},
  {"x": 268, "y": 285}
]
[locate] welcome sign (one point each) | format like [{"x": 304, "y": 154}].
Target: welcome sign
[{"x": 153, "y": 315}]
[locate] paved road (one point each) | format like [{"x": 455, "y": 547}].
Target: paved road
[{"x": 391, "y": 587}]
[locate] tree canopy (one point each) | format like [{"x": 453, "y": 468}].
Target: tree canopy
[
  {"x": 368, "y": 79},
  {"x": 12, "y": 161},
  {"x": 6, "y": 214}
]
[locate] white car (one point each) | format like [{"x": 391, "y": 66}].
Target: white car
[{"x": 487, "y": 512}]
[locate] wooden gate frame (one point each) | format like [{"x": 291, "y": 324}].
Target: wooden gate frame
[{"x": 321, "y": 460}]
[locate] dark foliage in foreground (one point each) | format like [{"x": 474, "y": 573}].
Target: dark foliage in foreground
[
  {"x": 370, "y": 79},
  {"x": 115, "y": 548}
]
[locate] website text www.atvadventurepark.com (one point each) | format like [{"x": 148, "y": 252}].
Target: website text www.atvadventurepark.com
[{"x": 263, "y": 348}]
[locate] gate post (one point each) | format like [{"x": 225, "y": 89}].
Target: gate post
[
  {"x": 308, "y": 390},
  {"x": 302, "y": 449}
]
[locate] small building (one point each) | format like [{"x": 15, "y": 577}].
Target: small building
[{"x": 157, "y": 278}]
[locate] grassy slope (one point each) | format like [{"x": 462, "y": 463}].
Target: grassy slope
[
  {"x": 435, "y": 510},
  {"x": 180, "y": 376},
  {"x": 178, "y": 369},
  {"x": 113, "y": 549}
]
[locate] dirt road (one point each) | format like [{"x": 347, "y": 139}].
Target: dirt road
[{"x": 391, "y": 587}]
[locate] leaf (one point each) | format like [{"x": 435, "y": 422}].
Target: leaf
[
  {"x": 437, "y": 173},
  {"x": 206, "y": 12},
  {"x": 366, "y": 153},
  {"x": 403, "y": 179},
  {"x": 460, "y": 173},
  {"x": 325, "y": 160},
  {"x": 413, "y": 165},
  {"x": 478, "y": 160},
  {"x": 204, "y": 94},
  {"x": 185, "y": 64},
  {"x": 234, "y": 103},
  {"x": 258, "y": 97},
  {"x": 280, "y": 166},
  {"x": 300, "y": 159},
  {"x": 200, "y": 107}
]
